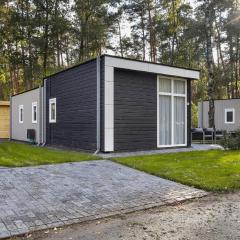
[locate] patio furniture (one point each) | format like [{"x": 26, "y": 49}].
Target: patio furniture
[
  {"x": 232, "y": 133},
  {"x": 197, "y": 134},
  {"x": 219, "y": 134},
  {"x": 208, "y": 134}
]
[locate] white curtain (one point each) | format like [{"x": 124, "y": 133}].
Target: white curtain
[
  {"x": 165, "y": 85},
  {"x": 165, "y": 120},
  {"x": 179, "y": 87},
  {"x": 179, "y": 120}
]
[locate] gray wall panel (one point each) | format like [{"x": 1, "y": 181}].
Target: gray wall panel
[{"x": 19, "y": 130}]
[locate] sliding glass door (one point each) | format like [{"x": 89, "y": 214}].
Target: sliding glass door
[{"x": 172, "y": 120}]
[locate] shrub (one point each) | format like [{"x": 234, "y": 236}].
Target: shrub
[{"x": 231, "y": 141}]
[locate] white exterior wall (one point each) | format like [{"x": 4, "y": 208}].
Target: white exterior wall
[
  {"x": 19, "y": 130},
  {"x": 220, "y": 106}
]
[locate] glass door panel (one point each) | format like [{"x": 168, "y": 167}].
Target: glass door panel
[
  {"x": 165, "y": 120},
  {"x": 179, "y": 120}
]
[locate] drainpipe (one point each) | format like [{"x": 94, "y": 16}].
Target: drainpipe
[
  {"x": 39, "y": 116},
  {"x": 44, "y": 113},
  {"x": 98, "y": 106}
]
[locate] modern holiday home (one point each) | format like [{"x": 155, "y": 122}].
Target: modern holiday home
[
  {"x": 116, "y": 104},
  {"x": 227, "y": 114}
]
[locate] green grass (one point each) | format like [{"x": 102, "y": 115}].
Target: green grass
[
  {"x": 213, "y": 170},
  {"x": 18, "y": 155}
]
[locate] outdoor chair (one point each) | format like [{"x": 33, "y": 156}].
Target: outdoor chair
[
  {"x": 208, "y": 134},
  {"x": 219, "y": 134},
  {"x": 232, "y": 133},
  {"x": 197, "y": 134}
]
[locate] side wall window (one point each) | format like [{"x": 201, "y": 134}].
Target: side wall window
[
  {"x": 52, "y": 110},
  {"x": 230, "y": 116},
  {"x": 34, "y": 112},
  {"x": 20, "y": 113}
]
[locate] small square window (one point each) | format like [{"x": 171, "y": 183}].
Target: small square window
[
  {"x": 230, "y": 116},
  {"x": 52, "y": 110},
  {"x": 34, "y": 112},
  {"x": 20, "y": 113}
]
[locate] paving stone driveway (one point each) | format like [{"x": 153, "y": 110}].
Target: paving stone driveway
[{"x": 34, "y": 198}]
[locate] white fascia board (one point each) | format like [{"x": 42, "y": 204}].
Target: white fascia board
[{"x": 151, "y": 67}]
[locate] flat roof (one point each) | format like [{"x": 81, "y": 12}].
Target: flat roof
[
  {"x": 143, "y": 61},
  {"x": 127, "y": 59}
]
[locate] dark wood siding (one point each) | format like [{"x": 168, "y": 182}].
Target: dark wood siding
[
  {"x": 135, "y": 110},
  {"x": 75, "y": 92}
]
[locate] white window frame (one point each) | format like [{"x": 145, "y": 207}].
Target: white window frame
[
  {"x": 34, "y": 104},
  {"x": 52, "y": 101},
  {"x": 20, "y": 108},
  {"x": 226, "y": 110},
  {"x": 172, "y": 95}
]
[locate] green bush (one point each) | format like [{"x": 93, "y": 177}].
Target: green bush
[
  {"x": 231, "y": 141},
  {"x": 194, "y": 115}
]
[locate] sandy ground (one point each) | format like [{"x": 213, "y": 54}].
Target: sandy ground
[{"x": 216, "y": 216}]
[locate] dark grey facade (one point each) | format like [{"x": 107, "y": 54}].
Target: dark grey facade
[
  {"x": 135, "y": 110},
  {"x": 75, "y": 93},
  {"x": 128, "y": 108}
]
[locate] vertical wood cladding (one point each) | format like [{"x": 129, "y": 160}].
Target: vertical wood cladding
[
  {"x": 75, "y": 91},
  {"x": 135, "y": 110}
]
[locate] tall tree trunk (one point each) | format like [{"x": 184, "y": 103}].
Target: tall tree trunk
[
  {"x": 210, "y": 62},
  {"x": 46, "y": 29},
  {"x": 67, "y": 51},
  {"x": 120, "y": 38},
  {"x": 174, "y": 38},
  {"x": 220, "y": 54},
  {"x": 152, "y": 37},
  {"x": 143, "y": 36},
  {"x": 236, "y": 67},
  {"x": 30, "y": 57},
  {"x": 231, "y": 57}
]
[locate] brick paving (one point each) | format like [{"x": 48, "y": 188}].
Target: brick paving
[{"x": 36, "y": 198}]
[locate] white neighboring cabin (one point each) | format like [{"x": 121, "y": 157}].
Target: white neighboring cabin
[{"x": 227, "y": 114}]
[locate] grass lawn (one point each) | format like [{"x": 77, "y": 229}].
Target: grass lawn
[
  {"x": 18, "y": 155},
  {"x": 213, "y": 170}
]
